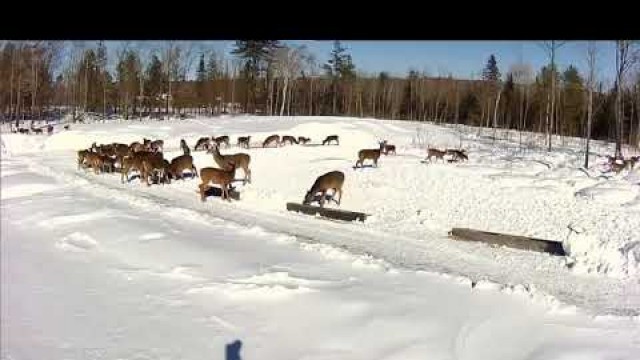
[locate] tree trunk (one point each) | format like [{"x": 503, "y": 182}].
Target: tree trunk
[{"x": 284, "y": 95}]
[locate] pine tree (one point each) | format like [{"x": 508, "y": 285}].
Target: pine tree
[
  {"x": 338, "y": 68},
  {"x": 255, "y": 54},
  {"x": 574, "y": 101},
  {"x": 491, "y": 71},
  {"x": 201, "y": 78}
]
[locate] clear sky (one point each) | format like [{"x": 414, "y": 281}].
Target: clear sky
[{"x": 462, "y": 59}]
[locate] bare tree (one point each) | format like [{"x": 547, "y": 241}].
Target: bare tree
[
  {"x": 288, "y": 64},
  {"x": 625, "y": 58},
  {"x": 550, "y": 48},
  {"x": 592, "y": 56}
]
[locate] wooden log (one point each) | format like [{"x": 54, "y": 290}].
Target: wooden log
[
  {"x": 327, "y": 212},
  {"x": 216, "y": 191},
  {"x": 513, "y": 241}
]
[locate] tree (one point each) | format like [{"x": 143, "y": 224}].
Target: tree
[
  {"x": 551, "y": 48},
  {"x": 573, "y": 86},
  {"x": 625, "y": 58},
  {"x": 254, "y": 53},
  {"x": 592, "y": 55},
  {"x": 201, "y": 78},
  {"x": 288, "y": 64},
  {"x": 491, "y": 73},
  {"x": 338, "y": 68}
]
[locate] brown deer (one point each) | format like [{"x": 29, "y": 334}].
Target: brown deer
[
  {"x": 181, "y": 163},
  {"x": 221, "y": 140},
  {"x": 331, "y": 138},
  {"x": 49, "y": 129},
  {"x": 290, "y": 139},
  {"x": 331, "y": 180},
  {"x": 223, "y": 177},
  {"x": 134, "y": 161},
  {"x": 272, "y": 139},
  {"x": 156, "y": 145},
  {"x": 303, "y": 140},
  {"x": 154, "y": 163},
  {"x": 185, "y": 147},
  {"x": 136, "y": 147},
  {"x": 106, "y": 163},
  {"x": 244, "y": 141},
  {"x": 204, "y": 143},
  {"x": 457, "y": 154},
  {"x": 372, "y": 154},
  {"x": 82, "y": 155},
  {"x": 388, "y": 148},
  {"x": 36, "y": 130},
  {"x": 94, "y": 161},
  {"x": 241, "y": 160},
  {"x": 66, "y": 127},
  {"x": 431, "y": 152}
]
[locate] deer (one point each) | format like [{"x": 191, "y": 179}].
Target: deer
[
  {"x": 154, "y": 163},
  {"x": 331, "y": 138},
  {"x": 290, "y": 139},
  {"x": 331, "y": 180},
  {"x": 435, "y": 152},
  {"x": 457, "y": 154},
  {"x": 134, "y": 161},
  {"x": 82, "y": 155},
  {"x": 49, "y": 129},
  {"x": 244, "y": 141},
  {"x": 66, "y": 127},
  {"x": 202, "y": 144},
  {"x": 156, "y": 145},
  {"x": 23, "y": 131},
  {"x": 271, "y": 139},
  {"x": 94, "y": 161},
  {"x": 106, "y": 163},
  {"x": 223, "y": 177},
  {"x": 241, "y": 160},
  {"x": 303, "y": 140},
  {"x": 136, "y": 147},
  {"x": 221, "y": 140},
  {"x": 373, "y": 154},
  {"x": 36, "y": 130},
  {"x": 181, "y": 163},
  {"x": 185, "y": 147},
  {"x": 389, "y": 148}
]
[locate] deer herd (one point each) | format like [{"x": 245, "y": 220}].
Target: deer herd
[{"x": 147, "y": 159}]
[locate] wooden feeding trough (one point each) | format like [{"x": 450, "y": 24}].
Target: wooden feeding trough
[
  {"x": 330, "y": 213},
  {"x": 512, "y": 241},
  {"x": 217, "y": 192}
]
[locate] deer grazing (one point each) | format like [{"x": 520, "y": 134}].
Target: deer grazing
[
  {"x": 221, "y": 140},
  {"x": 181, "y": 163},
  {"x": 388, "y": 148},
  {"x": 244, "y": 141},
  {"x": 457, "y": 154},
  {"x": 331, "y": 138},
  {"x": 223, "y": 177},
  {"x": 331, "y": 180},
  {"x": 241, "y": 160},
  {"x": 271, "y": 139},
  {"x": 204, "y": 143},
  {"x": 185, "y": 147},
  {"x": 287, "y": 138},
  {"x": 151, "y": 164},
  {"x": 372, "y": 154},
  {"x": 303, "y": 140},
  {"x": 431, "y": 152},
  {"x": 156, "y": 146},
  {"x": 134, "y": 161}
]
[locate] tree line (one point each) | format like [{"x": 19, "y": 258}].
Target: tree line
[{"x": 270, "y": 78}]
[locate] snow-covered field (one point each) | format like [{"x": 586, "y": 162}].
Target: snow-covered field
[{"x": 94, "y": 269}]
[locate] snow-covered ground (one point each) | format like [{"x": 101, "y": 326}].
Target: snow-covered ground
[{"x": 93, "y": 269}]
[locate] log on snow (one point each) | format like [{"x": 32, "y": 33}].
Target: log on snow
[
  {"x": 327, "y": 212},
  {"x": 513, "y": 241}
]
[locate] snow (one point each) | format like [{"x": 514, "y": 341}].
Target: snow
[{"x": 92, "y": 268}]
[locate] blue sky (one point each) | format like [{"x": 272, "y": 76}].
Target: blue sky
[{"x": 462, "y": 59}]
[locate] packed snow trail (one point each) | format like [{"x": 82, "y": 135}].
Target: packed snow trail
[{"x": 90, "y": 271}]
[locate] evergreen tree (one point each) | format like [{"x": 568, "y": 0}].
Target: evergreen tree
[
  {"x": 255, "y": 54},
  {"x": 491, "y": 71},
  {"x": 201, "y": 78},
  {"x": 338, "y": 68},
  {"x": 574, "y": 100}
]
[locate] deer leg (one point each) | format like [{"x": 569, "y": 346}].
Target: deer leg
[
  {"x": 201, "y": 186},
  {"x": 324, "y": 193}
]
